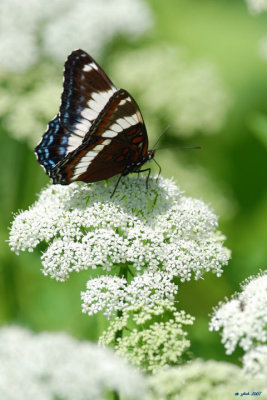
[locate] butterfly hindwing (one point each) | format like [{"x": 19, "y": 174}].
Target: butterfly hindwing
[
  {"x": 117, "y": 139},
  {"x": 53, "y": 146}
]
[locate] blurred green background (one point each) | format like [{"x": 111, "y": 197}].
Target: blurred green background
[{"x": 229, "y": 172}]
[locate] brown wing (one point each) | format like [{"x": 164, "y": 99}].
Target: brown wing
[
  {"x": 86, "y": 91},
  {"x": 116, "y": 139}
]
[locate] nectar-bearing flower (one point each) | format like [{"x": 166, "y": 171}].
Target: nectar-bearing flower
[
  {"x": 255, "y": 361},
  {"x": 149, "y": 340},
  {"x": 49, "y": 366},
  {"x": 113, "y": 293},
  {"x": 204, "y": 380},
  {"x": 243, "y": 319},
  {"x": 243, "y": 322},
  {"x": 158, "y": 231}
]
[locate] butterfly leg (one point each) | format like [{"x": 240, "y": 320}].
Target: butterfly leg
[
  {"x": 159, "y": 168},
  {"x": 148, "y": 175},
  {"x": 117, "y": 183}
]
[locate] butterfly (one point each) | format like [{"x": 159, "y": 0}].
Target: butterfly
[{"x": 99, "y": 131}]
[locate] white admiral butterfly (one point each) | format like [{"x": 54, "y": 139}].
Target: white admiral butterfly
[{"x": 99, "y": 131}]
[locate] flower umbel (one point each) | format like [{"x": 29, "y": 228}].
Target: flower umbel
[
  {"x": 52, "y": 366},
  {"x": 255, "y": 361},
  {"x": 150, "y": 231},
  {"x": 149, "y": 341},
  {"x": 112, "y": 293},
  {"x": 203, "y": 380},
  {"x": 243, "y": 319}
]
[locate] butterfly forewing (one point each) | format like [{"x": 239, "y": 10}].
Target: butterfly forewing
[
  {"x": 86, "y": 91},
  {"x": 117, "y": 139}
]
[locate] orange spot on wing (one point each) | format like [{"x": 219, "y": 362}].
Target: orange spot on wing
[
  {"x": 121, "y": 158},
  {"x": 137, "y": 139}
]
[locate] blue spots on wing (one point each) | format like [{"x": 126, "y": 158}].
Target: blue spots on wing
[
  {"x": 62, "y": 151},
  {"x": 53, "y": 146},
  {"x": 64, "y": 140}
]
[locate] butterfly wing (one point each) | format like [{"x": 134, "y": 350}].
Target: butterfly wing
[
  {"x": 116, "y": 141},
  {"x": 86, "y": 90}
]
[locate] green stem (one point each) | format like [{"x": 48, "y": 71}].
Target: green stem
[
  {"x": 123, "y": 272},
  {"x": 116, "y": 396}
]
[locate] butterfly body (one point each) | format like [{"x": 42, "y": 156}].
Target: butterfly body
[{"x": 99, "y": 131}]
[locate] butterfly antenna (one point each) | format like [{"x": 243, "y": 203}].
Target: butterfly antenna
[
  {"x": 165, "y": 130},
  {"x": 180, "y": 147}
]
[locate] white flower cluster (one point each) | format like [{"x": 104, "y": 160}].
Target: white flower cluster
[
  {"x": 30, "y": 29},
  {"x": 189, "y": 96},
  {"x": 50, "y": 366},
  {"x": 204, "y": 380},
  {"x": 255, "y": 361},
  {"x": 111, "y": 293},
  {"x": 34, "y": 107},
  {"x": 243, "y": 321},
  {"x": 148, "y": 231},
  {"x": 257, "y": 6}
]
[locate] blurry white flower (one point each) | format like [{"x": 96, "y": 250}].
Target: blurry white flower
[
  {"x": 50, "y": 366},
  {"x": 255, "y": 362},
  {"x": 257, "y": 6},
  {"x": 28, "y": 101},
  {"x": 90, "y": 25},
  {"x": 146, "y": 231},
  {"x": 30, "y": 30},
  {"x": 189, "y": 96},
  {"x": 26, "y": 119},
  {"x": 203, "y": 380},
  {"x": 243, "y": 319}
]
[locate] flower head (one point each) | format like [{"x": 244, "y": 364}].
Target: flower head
[
  {"x": 156, "y": 234},
  {"x": 255, "y": 361},
  {"x": 243, "y": 319},
  {"x": 53, "y": 365},
  {"x": 203, "y": 380},
  {"x": 111, "y": 293},
  {"x": 150, "y": 342}
]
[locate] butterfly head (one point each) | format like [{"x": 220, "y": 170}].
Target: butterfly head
[{"x": 150, "y": 154}]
